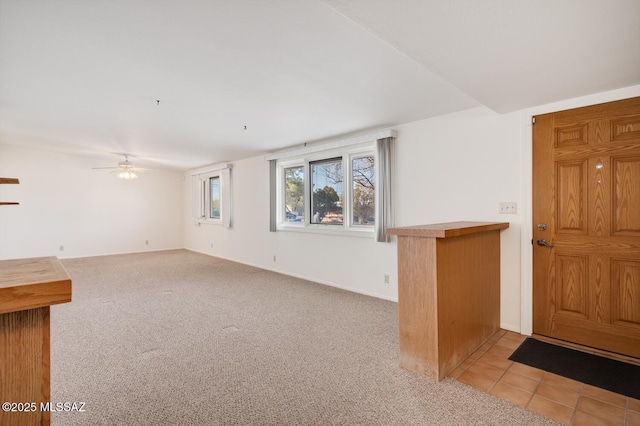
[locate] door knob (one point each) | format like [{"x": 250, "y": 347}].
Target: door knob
[{"x": 544, "y": 243}]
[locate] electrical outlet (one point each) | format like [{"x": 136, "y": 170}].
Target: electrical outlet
[
  {"x": 61, "y": 248},
  {"x": 274, "y": 257},
  {"x": 507, "y": 208},
  {"x": 386, "y": 278},
  {"x": 146, "y": 242}
]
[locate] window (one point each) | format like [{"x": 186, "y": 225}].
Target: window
[
  {"x": 294, "y": 193},
  {"x": 327, "y": 197},
  {"x": 314, "y": 195},
  {"x": 212, "y": 200},
  {"x": 363, "y": 190},
  {"x": 214, "y": 197},
  {"x": 341, "y": 187}
]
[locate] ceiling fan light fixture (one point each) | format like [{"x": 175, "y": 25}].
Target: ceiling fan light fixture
[{"x": 127, "y": 175}]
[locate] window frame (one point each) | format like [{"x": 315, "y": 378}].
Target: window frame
[
  {"x": 346, "y": 154},
  {"x": 205, "y": 198},
  {"x": 352, "y": 157},
  {"x": 202, "y": 195},
  {"x": 312, "y": 164},
  {"x": 281, "y": 196}
]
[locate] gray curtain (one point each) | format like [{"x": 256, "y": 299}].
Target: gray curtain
[
  {"x": 272, "y": 195},
  {"x": 225, "y": 183},
  {"x": 384, "y": 211}
]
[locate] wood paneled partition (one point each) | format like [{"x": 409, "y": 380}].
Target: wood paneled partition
[{"x": 448, "y": 293}]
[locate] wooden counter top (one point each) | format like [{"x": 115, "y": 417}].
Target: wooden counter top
[
  {"x": 448, "y": 229},
  {"x": 33, "y": 283}
]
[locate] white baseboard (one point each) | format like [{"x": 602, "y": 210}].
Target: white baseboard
[
  {"x": 118, "y": 253},
  {"x": 303, "y": 277},
  {"x": 510, "y": 327}
]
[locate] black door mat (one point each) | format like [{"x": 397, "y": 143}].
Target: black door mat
[{"x": 605, "y": 373}]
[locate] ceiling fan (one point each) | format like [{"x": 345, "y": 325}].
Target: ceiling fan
[{"x": 125, "y": 169}]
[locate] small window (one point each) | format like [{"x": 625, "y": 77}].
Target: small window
[
  {"x": 214, "y": 185},
  {"x": 212, "y": 199},
  {"x": 294, "y": 194}
]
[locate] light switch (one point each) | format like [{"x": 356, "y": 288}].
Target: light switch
[{"x": 507, "y": 208}]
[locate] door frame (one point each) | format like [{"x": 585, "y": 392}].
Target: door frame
[{"x": 526, "y": 235}]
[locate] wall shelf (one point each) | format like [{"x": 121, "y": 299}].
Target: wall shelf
[
  {"x": 4, "y": 181},
  {"x": 9, "y": 180}
]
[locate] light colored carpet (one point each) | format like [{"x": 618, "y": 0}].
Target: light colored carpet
[{"x": 180, "y": 338}]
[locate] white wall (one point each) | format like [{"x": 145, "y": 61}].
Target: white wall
[
  {"x": 454, "y": 167},
  {"x": 459, "y": 167},
  {"x": 358, "y": 264},
  {"x": 89, "y": 212}
]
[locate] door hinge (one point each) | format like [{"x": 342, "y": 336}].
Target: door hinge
[
  {"x": 533, "y": 120},
  {"x": 532, "y": 241}
]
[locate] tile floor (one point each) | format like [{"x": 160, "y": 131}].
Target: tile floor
[{"x": 561, "y": 399}]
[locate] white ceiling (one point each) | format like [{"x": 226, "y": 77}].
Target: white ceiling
[{"x": 85, "y": 76}]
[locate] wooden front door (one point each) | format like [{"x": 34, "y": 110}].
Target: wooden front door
[{"x": 586, "y": 226}]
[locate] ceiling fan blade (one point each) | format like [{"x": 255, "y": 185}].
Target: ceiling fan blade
[
  {"x": 124, "y": 167},
  {"x": 135, "y": 170}
]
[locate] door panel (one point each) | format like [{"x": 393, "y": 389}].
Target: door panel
[
  {"x": 571, "y": 188},
  {"x": 626, "y": 294},
  {"x": 626, "y": 206},
  {"x": 586, "y": 190},
  {"x": 572, "y": 285}
]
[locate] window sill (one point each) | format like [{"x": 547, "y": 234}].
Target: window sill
[
  {"x": 210, "y": 222},
  {"x": 328, "y": 230}
]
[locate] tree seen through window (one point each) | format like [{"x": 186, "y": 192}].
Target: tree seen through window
[{"x": 327, "y": 192}]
